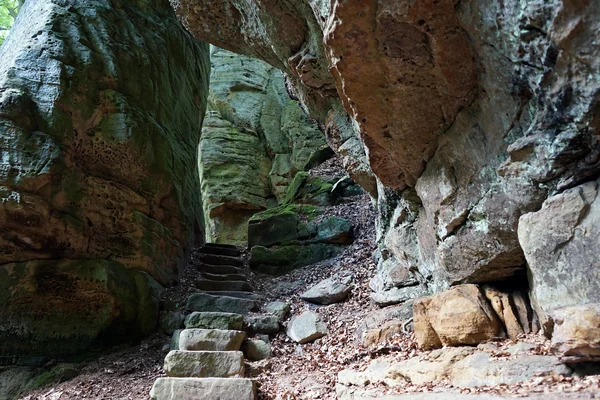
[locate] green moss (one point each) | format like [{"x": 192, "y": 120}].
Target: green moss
[
  {"x": 288, "y": 209},
  {"x": 305, "y": 189},
  {"x": 58, "y": 374},
  {"x": 278, "y": 260}
]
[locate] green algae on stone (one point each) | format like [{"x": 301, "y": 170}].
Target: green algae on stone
[{"x": 278, "y": 260}]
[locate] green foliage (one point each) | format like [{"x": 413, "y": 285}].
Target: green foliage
[{"x": 8, "y": 13}]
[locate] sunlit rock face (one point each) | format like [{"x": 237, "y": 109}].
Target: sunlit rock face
[
  {"x": 470, "y": 114},
  {"x": 101, "y": 106}
]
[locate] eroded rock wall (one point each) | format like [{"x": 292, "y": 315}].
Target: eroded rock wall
[
  {"x": 254, "y": 141},
  {"x": 470, "y": 114},
  {"x": 101, "y": 106}
]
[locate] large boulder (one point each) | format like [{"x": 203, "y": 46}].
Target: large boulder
[
  {"x": 459, "y": 316},
  {"x": 560, "y": 242},
  {"x": 293, "y": 235},
  {"x": 306, "y": 327},
  {"x": 100, "y": 115}
]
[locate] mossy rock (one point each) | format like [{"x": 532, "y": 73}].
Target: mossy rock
[
  {"x": 318, "y": 157},
  {"x": 278, "y": 260},
  {"x": 335, "y": 230},
  {"x": 306, "y": 189},
  {"x": 281, "y": 224}
]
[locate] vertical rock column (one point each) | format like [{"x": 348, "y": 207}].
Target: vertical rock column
[{"x": 101, "y": 106}]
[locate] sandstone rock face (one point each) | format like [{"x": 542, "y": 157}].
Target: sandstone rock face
[
  {"x": 58, "y": 307},
  {"x": 561, "y": 243},
  {"x": 462, "y": 367},
  {"x": 466, "y": 126},
  {"x": 254, "y": 141},
  {"x": 100, "y": 115},
  {"x": 577, "y": 331},
  {"x": 459, "y": 316}
]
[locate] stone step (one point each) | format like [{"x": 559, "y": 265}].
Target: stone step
[
  {"x": 203, "y": 389},
  {"x": 221, "y": 251},
  {"x": 219, "y": 286},
  {"x": 211, "y": 339},
  {"x": 207, "y": 302},
  {"x": 240, "y": 295},
  {"x": 214, "y": 320},
  {"x": 221, "y": 260},
  {"x": 204, "y": 364},
  {"x": 224, "y": 277},
  {"x": 221, "y": 245},
  {"x": 219, "y": 269}
]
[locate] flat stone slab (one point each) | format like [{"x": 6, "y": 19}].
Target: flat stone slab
[
  {"x": 207, "y": 302},
  {"x": 204, "y": 364},
  {"x": 211, "y": 339},
  {"x": 221, "y": 260},
  {"x": 203, "y": 389},
  {"x": 221, "y": 251},
  {"x": 219, "y": 269},
  {"x": 214, "y": 320},
  {"x": 224, "y": 277}
]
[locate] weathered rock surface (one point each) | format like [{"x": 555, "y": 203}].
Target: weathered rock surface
[
  {"x": 306, "y": 327},
  {"x": 100, "y": 115},
  {"x": 211, "y": 339},
  {"x": 169, "y": 322},
  {"x": 398, "y": 295},
  {"x": 466, "y": 124},
  {"x": 577, "y": 331},
  {"x": 328, "y": 291},
  {"x": 278, "y": 260},
  {"x": 203, "y": 389},
  {"x": 257, "y": 350},
  {"x": 462, "y": 367},
  {"x": 278, "y": 308},
  {"x": 255, "y": 140},
  {"x": 174, "y": 343},
  {"x": 204, "y": 364},
  {"x": 203, "y": 302},
  {"x": 372, "y": 327},
  {"x": 459, "y": 316},
  {"x": 59, "y": 307},
  {"x": 560, "y": 242},
  {"x": 262, "y": 323},
  {"x": 214, "y": 320}
]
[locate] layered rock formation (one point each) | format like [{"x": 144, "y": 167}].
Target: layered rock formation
[
  {"x": 101, "y": 106},
  {"x": 471, "y": 114},
  {"x": 254, "y": 141}
]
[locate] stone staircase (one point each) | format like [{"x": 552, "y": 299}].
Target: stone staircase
[{"x": 208, "y": 364}]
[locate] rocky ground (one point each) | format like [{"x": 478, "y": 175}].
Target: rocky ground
[{"x": 310, "y": 371}]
